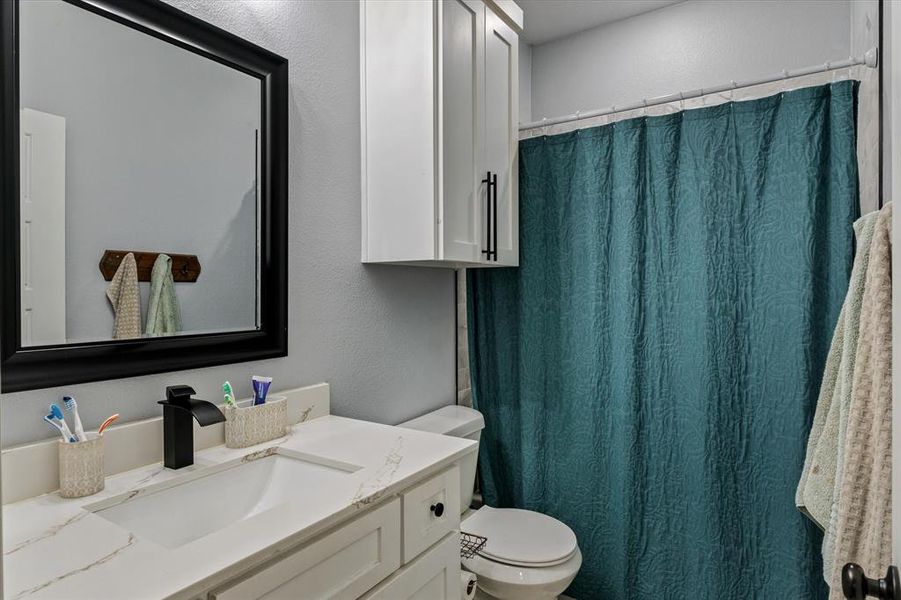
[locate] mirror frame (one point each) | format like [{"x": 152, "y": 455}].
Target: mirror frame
[{"x": 35, "y": 367}]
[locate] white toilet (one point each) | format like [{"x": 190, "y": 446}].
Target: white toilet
[{"x": 529, "y": 556}]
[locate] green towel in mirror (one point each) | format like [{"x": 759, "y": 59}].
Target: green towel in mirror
[{"x": 163, "y": 315}]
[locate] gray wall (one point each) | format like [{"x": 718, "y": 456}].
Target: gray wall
[
  {"x": 162, "y": 160},
  {"x": 685, "y": 46},
  {"x": 383, "y": 337},
  {"x": 525, "y": 82}
]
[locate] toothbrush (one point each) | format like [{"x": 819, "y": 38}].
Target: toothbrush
[
  {"x": 229, "y": 394},
  {"x": 72, "y": 407},
  {"x": 57, "y": 426},
  {"x": 107, "y": 423},
  {"x": 56, "y": 413}
]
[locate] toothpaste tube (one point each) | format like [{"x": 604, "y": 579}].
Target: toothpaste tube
[{"x": 260, "y": 388}]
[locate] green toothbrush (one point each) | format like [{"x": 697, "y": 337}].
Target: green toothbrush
[{"x": 229, "y": 395}]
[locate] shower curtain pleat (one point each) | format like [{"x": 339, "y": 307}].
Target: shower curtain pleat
[{"x": 648, "y": 374}]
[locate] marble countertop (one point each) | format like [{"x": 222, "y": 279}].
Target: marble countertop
[{"x": 54, "y": 548}]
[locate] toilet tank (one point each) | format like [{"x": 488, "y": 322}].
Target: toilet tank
[{"x": 456, "y": 421}]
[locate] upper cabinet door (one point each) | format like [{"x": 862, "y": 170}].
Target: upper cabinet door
[
  {"x": 439, "y": 111},
  {"x": 462, "y": 119},
  {"x": 502, "y": 132}
]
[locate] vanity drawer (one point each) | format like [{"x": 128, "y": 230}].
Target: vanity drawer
[
  {"x": 343, "y": 564},
  {"x": 433, "y": 576},
  {"x": 431, "y": 511}
]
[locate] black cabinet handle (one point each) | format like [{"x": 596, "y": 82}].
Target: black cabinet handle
[
  {"x": 488, "y": 211},
  {"x": 494, "y": 203},
  {"x": 857, "y": 586},
  {"x": 437, "y": 509}
]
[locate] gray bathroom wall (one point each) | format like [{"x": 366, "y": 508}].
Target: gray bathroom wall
[
  {"x": 382, "y": 336},
  {"x": 685, "y": 46},
  {"x": 160, "y": 156},
  {"x": 525, "y": 82}
]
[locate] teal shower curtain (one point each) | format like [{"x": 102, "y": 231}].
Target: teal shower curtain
[{"x": 648, "y": 374}]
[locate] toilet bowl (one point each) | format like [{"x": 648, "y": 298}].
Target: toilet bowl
[{"x": 529, "y": 555}]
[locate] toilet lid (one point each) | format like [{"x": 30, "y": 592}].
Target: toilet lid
[{"x": 521, "y": 537}]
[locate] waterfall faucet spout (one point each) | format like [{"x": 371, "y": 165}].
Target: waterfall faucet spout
[{"x": 179, "y": 410}]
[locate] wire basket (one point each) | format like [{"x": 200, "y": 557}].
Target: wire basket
[{"x": 471, "y": 544}]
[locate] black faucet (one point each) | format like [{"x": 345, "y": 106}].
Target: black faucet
[{"x": 178, "y": 430}]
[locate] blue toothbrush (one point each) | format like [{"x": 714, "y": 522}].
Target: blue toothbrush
[
  {"x": 56, "y": 414},
  {"x": 55, "y": 424}
]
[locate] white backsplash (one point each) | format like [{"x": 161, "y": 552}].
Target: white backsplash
[{"x": 33, "y": 469}]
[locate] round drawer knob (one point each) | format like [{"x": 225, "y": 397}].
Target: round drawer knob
[{"x": 437, "y": 508}]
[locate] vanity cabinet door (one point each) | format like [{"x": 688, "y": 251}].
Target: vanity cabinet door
[
  {"x": 433, "y": 576},
  {"x": 502, "y": 134},
  {"x": 431, "y": 511},
  {"x": 342, "y": 564}
]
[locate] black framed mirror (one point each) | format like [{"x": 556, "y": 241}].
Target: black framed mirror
[{"x": 143, "y": 193}]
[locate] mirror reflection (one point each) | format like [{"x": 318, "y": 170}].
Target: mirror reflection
[{"x": 139, "y": 187}]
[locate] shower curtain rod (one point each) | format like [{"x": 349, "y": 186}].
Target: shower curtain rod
[{"x": 870, "y": 58}]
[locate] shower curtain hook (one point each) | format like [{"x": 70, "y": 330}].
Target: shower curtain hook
[
  {"x": 732, "y": 91},
  {"x": 544, "y": 127},
  {"x": 681, "y": 101}
]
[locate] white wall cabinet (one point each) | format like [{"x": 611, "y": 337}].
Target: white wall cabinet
[{"x": 439, "y": 118}]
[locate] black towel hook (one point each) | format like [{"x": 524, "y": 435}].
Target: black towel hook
[{"x": 857, "y": 586}]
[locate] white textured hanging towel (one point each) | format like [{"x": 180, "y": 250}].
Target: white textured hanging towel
[
  {"x": 818, "y": 490},
  {"x": 125, "y": 298},
  {"x": 859, "y": 528}
]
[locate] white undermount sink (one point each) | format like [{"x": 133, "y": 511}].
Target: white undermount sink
[{"x": 177, "y": 512}]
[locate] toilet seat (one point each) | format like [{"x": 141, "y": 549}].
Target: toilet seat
[
  {"x": 528, "y": 556},
  {"x": 521, "y": 538}
]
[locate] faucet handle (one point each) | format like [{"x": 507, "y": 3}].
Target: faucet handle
[{"x": 179, "y": 394}]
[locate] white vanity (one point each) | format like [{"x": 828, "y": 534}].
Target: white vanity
[{"x": 338, "y": 508}]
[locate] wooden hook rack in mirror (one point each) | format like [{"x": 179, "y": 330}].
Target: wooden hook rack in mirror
[{"x": 185, "y": 267}]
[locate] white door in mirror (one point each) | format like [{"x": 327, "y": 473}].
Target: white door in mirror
[{"x": 42, "y": 193}]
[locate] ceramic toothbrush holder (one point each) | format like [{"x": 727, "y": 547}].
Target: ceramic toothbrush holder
[
  {"x": 81, "y": 467},
  {"x": 248, "y": 425}
]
